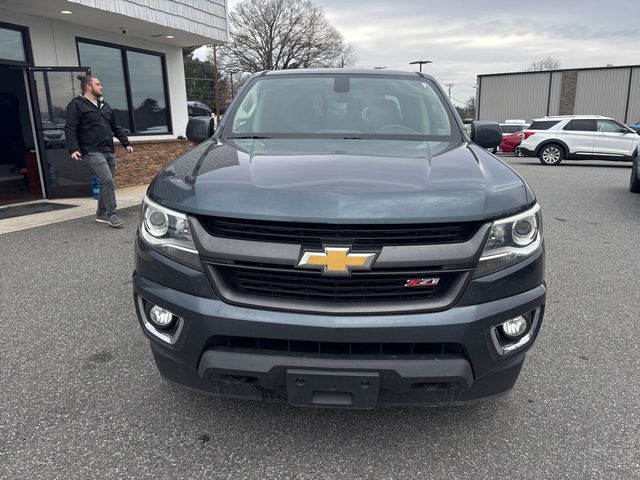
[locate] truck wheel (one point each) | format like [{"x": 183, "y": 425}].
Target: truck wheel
[
  {"x": 634, "y": 182},
  {"x": 551, "y": 154}
]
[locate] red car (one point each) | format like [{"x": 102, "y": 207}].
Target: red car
[{"x": 511, "y": 143}]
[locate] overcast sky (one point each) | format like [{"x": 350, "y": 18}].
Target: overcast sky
[{"x": 466, "y": 38}]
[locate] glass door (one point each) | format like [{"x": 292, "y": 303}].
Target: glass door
[{"x": 52, "y": 89}]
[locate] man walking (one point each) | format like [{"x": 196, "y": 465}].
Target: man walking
[{"x": 91, "y": 126}]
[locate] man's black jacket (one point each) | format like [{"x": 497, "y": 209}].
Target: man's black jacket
[{"x": 91, "y": 128}]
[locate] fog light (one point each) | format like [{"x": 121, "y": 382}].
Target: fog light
[
  {"x": 160, "y": 317},
  {"x": 515, "y": 327}
]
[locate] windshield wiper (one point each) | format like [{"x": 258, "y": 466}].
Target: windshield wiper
[{"x": 248, "y": 137}]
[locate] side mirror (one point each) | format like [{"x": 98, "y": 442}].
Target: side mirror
[
  {"x": 486, "y": 134},
  {"x": 199, "y": 129}
]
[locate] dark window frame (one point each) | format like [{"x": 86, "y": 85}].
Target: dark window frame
[
  {"x": 26, "y": 44},
  {"x": 593, "y": 122},
  {"x": 552, "y": 123},
  {"x": 127, "y": 80}
]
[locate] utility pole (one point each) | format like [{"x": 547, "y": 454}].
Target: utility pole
[
  {"x": 449, "y": 86},
  {"x": 217, "y": 86}
]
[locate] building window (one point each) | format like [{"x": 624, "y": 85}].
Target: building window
[
  {"x": 147, "y": 92},
  {"x": 13, "y": 44},
  {"x": 106, "y": 64},
  {"x": 134, "y": 85}
]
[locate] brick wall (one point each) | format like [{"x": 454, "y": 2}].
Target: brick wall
[
  {"x": 568, "y": 89},
  {"x": 147, "y": 159}
]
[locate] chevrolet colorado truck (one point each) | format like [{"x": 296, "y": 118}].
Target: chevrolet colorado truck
[{"x": 340, "y": 241}]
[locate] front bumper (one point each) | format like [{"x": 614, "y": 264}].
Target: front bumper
[{"x": 473, "y": 372}]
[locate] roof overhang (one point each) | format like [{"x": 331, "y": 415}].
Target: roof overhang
[{"x": 112, "y": 22}]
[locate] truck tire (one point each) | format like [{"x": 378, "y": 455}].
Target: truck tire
[{"x": 551, "y": 154}]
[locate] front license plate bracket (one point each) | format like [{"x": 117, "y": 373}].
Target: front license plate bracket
[{"x": 318, "y": 388}]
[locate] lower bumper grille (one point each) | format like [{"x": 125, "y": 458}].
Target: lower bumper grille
[{"x": 283, "y": 347}]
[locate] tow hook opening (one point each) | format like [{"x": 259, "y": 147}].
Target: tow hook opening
[
  {"x": 432, "y": 386},
  {"x": 245, "y": 379}
]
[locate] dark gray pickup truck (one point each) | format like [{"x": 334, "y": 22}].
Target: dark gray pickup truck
[{"x": 340, "y": 241}]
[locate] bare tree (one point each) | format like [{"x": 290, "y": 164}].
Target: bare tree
[
  {"x": 469, "y": 109},
  {"x": 544, "y": 65},
  {"x": 470, "y": 104},
  {"x": 284, "y": 34},
  {"x": 348, "y": 57}
]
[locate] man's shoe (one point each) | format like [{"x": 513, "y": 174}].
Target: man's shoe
[
  {"x": 102, "y": 218},
  {"x": 115, "y": 221}
]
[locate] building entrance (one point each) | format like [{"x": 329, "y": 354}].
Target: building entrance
[
  {"x": 53, "y": 88},
  {"x": 20, "y": 179}
]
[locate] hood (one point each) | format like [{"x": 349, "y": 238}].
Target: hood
[{"x": 341, "y": 181}]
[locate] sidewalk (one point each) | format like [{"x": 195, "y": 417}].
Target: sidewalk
[{"x": 126, "y": 197}]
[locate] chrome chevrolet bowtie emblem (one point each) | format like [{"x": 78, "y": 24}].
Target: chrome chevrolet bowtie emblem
[{"x": 337, "y": 260}]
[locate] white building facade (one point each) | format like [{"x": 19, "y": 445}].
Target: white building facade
[{"x": 133, "y": 46}]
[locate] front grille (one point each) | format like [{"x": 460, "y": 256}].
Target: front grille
[
  {"x": 315, "y": 234},
  {"x": 284, "y": 347},
  {"x": 284, "y": 283}
]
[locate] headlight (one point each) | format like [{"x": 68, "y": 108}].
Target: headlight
[
  {"x": 168, "y": 232},
  {"x": 511, "y": 240},
  {"x": 156, "y": 222}
]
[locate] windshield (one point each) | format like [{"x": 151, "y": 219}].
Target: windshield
[{"x": 342, "y": 106}]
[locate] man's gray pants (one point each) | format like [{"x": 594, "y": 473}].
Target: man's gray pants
[{"x": 104, "y": 164}]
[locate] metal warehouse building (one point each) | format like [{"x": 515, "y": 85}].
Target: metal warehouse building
[{"x": 610, "y": 91}]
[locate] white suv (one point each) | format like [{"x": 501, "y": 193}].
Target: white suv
[
  {"x": 513, "y": 126},
  {"x": 579, "y": 137}
]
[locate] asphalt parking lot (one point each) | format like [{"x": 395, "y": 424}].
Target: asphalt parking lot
[{"x": 80, "y": 396}]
